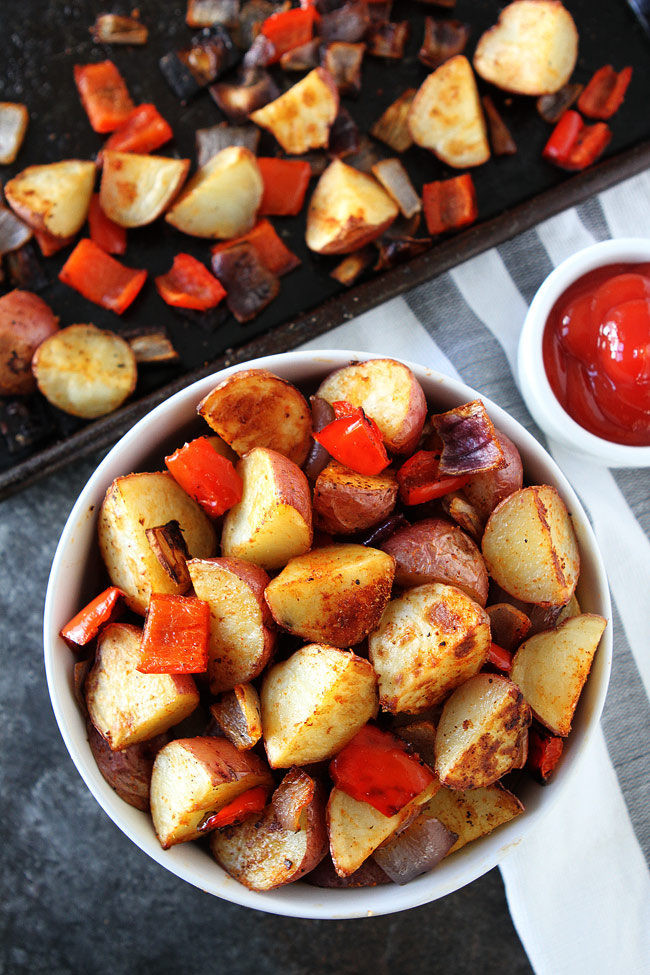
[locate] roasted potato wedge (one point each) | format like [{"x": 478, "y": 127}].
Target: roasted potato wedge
[
  {"x": 551, "y": 669},
  {"x": 530, "y": 547},
  {"x": 482, "y": 733},
  {"x": 126, "y": 706},
  {"x": 273, "y": 522},
  {"x": 314, "y": 703},
  {"x": 193, "y": 778},
  {"x": 242, "y": 633},
  {"x": 428, "y": 641},
  {"x": 485, "y": 491},
  {"x": 132, "y": 504},
  {"x": 446, "y": 115},
  {"x": 301, "y": 118},
  {"x": 346, "y": 502},
  {"x": 508, "y": 625},
  {"x": 474, "y": 812},
  {"x": 254, "y": 408},
  {"x": 348, "y": 209},
  {"x": 135, "y": 189},
  {"x": 388, "y": 392},
  {"x": 531, "y": 50},
  {"x": 54, "y": 197},
  {"x": 129, "y": 770},
  {"x": 434, "y": 550},
  {"x": 85, "y": 371},
  {"x": 335, "y": 594},
  {"x": 222, "y": 198},
  {"x": 25, "y": 321},
  {"x": 238, "y": 714},
  {"x": 13, "y": 125}
]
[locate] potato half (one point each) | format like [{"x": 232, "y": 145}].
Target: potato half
[
  {"x": 54, "y": 197},
  {"x": 25, "y": 321},
  {"x": 474, "y": 812},
  {"x": 301, "y": 118},
  {"x": 346, "y": 502},
  {"x": 135, "y": 188}
]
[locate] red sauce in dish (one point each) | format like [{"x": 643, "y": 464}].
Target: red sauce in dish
[{"x": 596, "y": 348}]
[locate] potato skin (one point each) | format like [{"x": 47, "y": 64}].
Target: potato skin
[
  {"x": 434, "y": 550},
  {"x": 127, "y": 771},
  {"x": 25, "y": 321},
  {"x": 485, "y": 491},
  {"x": 346, "y": 502}
]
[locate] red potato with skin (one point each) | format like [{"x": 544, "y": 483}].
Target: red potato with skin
[
  {"x": 346, "y": 502},
  {"x": 127, "y": 771},
  {"x": 25, "y": 321},
  {"x": 485, "y": 491}
]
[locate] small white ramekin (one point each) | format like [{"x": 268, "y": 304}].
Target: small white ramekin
[{"x": 533, "y": 381}]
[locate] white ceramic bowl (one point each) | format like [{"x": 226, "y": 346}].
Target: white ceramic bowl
[
  {"x": 76, "y": 577},
  {"x": 533, "y": 381}
]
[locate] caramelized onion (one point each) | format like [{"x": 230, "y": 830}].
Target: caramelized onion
[
  {"x": 397, "y": 250},
  {"x": 260, "y": 54},
  {"x": 211, "y": 141},
  {"x": 352, "y": 266},
  {"x": 302, "y": 58},
  {"x": 318, "y": 458},
  {"x": 365, "y": 156},
  {"x": 415, "y": 851},
  {"x": 380, "y": 533},
  {"x": 206, "y": 13},
  {"x": 114, "y": 29},
  {"x": 25, "y": 269},
  {"x": 344, "y": 135},
  {"x": 443, "y": 39},
  {"x": 552, "y": 107},
  {"x": 469, "y": 441},
  {"x": 153, "y": 346},
  {"x": 388, "y": 40},
  {"x": 251, "y": 17},
  {"x": 347, "y": 23},
  {"x": 395, "y": 180},
  {"x": 291, "y": 797},
  {"x": 13, "y": 232},
  {"x": 343, "y": 61},
  {"x": 369, "y": 874},
  {"x": 249, "y": 284},
  {"x": 500, "y": 137},
  {"x": 392, "y": 127},
  {"x": 256, "y": 89}
]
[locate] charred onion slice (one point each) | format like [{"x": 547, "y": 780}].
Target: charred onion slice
[
  {"x": 251, "y": 16},
  {"x": 343, "y": 61},
  {"x": 394, "y": 251},
  {"x": 380, "y": 11},
  {"x": 211, "y": 141},
  {"x": 380, "y": 533},
  {"x": 318, "y": 458},
  {"x": 13, "y": 125},
  {"x": 469, "y": 442},
  {"x": 188, "y": 71},
  {"x": 352, "y": 266},
  {"x": 365, "y": 156},
  {"x": 415, "y": 851},
  {"x": 255, "y": 90},
  {"x": 388, "y": 40},
  {"x": 552, "y": 107},
  {"x": 14, "y": 234},
  {"x": 260, "y": 54},
  {"x": 347, "y": 23},
  {"x": 25, "y": 269},
  {"x": 302, "y": 58},
  {"x": 394, "y": 178},
  {"x": 317, "y": 159},
  {"x": 392, "y": 127},
  {"x": 249, "y": 284},
  {"x": 168, "y": 544},
  {"x": 114, "y": 29},
  {"x": 292, "y": 797},
  {"x": 151, "y": 347},
  {"x": 344, "y": 135},
  {"x": 443, "y": 39},
  {"x": 207, "y": 13},
  {"x": 500, "y": 137}
]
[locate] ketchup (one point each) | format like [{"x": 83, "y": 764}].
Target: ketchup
[{"x": 596, "y": 349}]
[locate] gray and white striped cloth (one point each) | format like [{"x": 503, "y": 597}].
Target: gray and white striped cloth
[{"x": 578, "y": 888}]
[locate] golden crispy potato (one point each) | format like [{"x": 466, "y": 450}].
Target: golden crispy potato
[
  {"x": 135, "y": 189},
  {"x": 54, "y": 197},
  {"x": 434, "y": 550},
  {"x": 335, "y": 594},
  {"x": 530, "y": 547},
  {"x": 254, "y": 408},
  {"x": 272, "y": 522},
  {"x": 132, "y": 504},
  {"x": 485, "y": 491},
  {"x": 531, "y": 50},
  {"x": 429, "y": 641},
  {"x": 25, "y": 321},
  {"x": 482, "y": 732},
  {"x": 551, "y": 669},
  {"x": 346, "y": 502},
  {"x": 242, "y": 635},
  {"x": 126, "y": 706},
  {"x": 193, "y": 778},
  {"x": 356, "y": 828},
  {"x": 314, "y": 703},
  {"x": 261, "y": 855},
  {"x": 238, "y": 714},
  {"x": 508, "y": 625},
  {"x": 388, "y": 392},
  {"x": 446, "y": 115},
  {"x": 129, "y": 770},
  {"x": 474, "y": 812},
  {"x": 301, "y": 118}
]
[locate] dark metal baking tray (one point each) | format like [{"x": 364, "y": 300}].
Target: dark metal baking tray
[{"x": 42, "y": 43}]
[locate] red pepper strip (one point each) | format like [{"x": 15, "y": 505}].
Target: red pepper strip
[
  {"x": 100, "y": 278},
  {"x": 544, "y": 752},
  {"x": 285, "y": 185},
  {"x": 189, "y": 284},
  {"x": 206, "y": 476},
  {"x": 355, "y": 440},
  {"x": 500, "y": 658},
  {"x": 604, "y": 94},
  {"x": 563, "y": 137},
  {"x": 49, "y": 244},
  {"x": 574, "y": 145},
  {"x": 270, "y": 249},
  {"x": 144, "y": 130},
  {"x": 103, "y": 231},
  {"x": 103, "y": 94},
  {"x": 85, "y": 626},
  {"x": 176, "y": 635},
  {"x": 419, "y": 481},
  {"x": 289, "y": 29},
  {"x": 245, "y": 805},
  {"x": 449, "y": 204},
  {"x": 376, "y": 768}
]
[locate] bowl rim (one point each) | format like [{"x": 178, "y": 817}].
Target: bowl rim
[
  {"x": 534, "y": 385},
  {"x": 187, "y": 861}
]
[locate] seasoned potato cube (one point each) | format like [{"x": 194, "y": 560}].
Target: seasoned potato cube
[
  {"x": 193, "y": 778},
  {"x": 551, "y": 669},
  {"x": 53, "y": 197},
  {"x": 530, "y": 547},
  {"x": 239, "y": 715},
  {"x": 334, "y": 594},
  {"x": 314, "y": 703},
  {"x": 242, "y": 634},
  {"x": 482, "y": 732},
  {"x": 132, "y": 504},
  {"x": 473, "y": 813},
  {"x": 136, "y": 188},
  {"x": 301, "y": 117},
  {"x": 429, "y": 641},
  {"x": 272, "y": 522},
  {"x": 126, "y": 706},
  {"x": 346, "y": 502}
]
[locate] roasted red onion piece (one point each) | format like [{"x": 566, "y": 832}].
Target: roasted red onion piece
[
  {"x": 13, "y": 232},
  {"x": 464, "y": 514},
  {"x": 13, "y": 125},
  {"x": 397, "y": 250},
  {"x": 302, "y": 58},
  {"x": 207, "y": 13},
  {"x": 443, "y": 39},
  {"x": 249, "y": 284},
  {"x": 388, "y": 40},
  {"x": 347, "y": 23},
  {"x": 402, "y": 228},
  {"x": 343, "y": 61},
  {"x": 391, "y": 127},
  {"x": 211, "y": 141},
  {"x": 352, "y": 266},
  {"x": 291, "y": 797},
  {"x": 509, "y": 626},
  {"x": 344, "y": 135},
  {"x": 369, "y": 874},
  {"x": 251, "y": 17},
  {"x": 153, "y": 346},
  {"x": 365, "y": 156},
  {"x": 25, "y": 270},
  {"x": 188, "y": 71},
  {"x": 541, "y": 617},
  {"x": 421, "y": 736},
  {"x": 415, "y": 851},
  {"x": 318, "y": 458},
  {"x": 318, "y": 161},
  {"x": 380, "y": 533},
  {"x": 395, "y": 180},
  {"x": 470, "y": 443},
  {"x": 114, "y": 29},
  {"x": 260, "y": 54},
  {"x": 552, "y": 107},
  {"x": 500, "y": 137},
  {"x": 256, "y": 89}
]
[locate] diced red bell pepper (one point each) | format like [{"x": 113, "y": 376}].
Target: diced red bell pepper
[
  {"x": 103, "y": 231},
  {"x": 247, "y": 804},
  {"x": 143, "y": 131},
  {"x": 449, "y": 204},
  {"x": 419, "y": 480},
  {"x": 189, "y": 284},
  {"x": 285, "y": 185},
  {"x": 604, "y": 94},
  {"x": 49, "y": 244},
  {"x": 85, "y": 626},
  {"x": 500, "y": 658},
  {"x": 103, "y": 94},
  {"x": 272, "y": 252},
  {"x": 544, "y": 751},
  {"x": 355, "y": 440},
  {"x": 375, "y": 767},
  {"x": 563, "y": 137},
  {"x": 574, "y": 145},
  {"x": 288, "y": 29},
  {"x": 176, "y": 635},
  {"x": 206, "y": 476},
  {"x": 341, "y": 408},
  {"x": 100, "y": 278}
]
